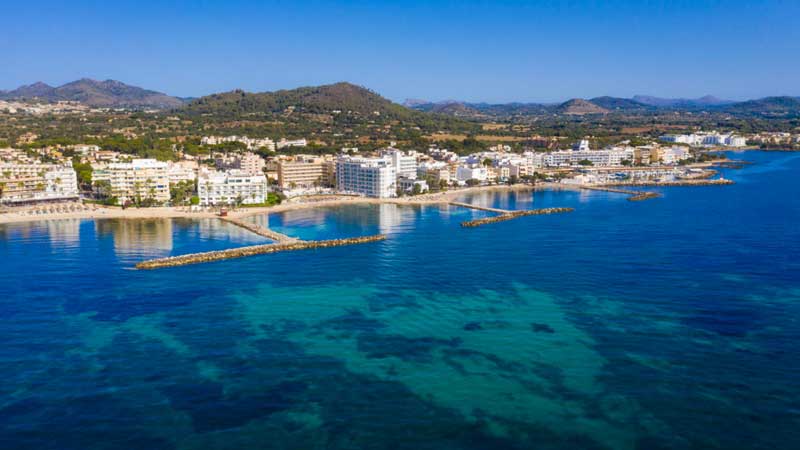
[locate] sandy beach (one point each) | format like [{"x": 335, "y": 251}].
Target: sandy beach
[{"x": 105, "y": 212}]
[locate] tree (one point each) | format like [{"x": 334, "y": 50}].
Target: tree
[
  {"x": 585, "y": 162},
  {"x": 417, "y": 189},
  {"x": 473, "y": 182}
]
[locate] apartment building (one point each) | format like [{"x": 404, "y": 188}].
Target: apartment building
[
  {"x": 284, "y": 143},
  {"x": 306, "y": 172},
  {"x": 609, "y": 157},
  {"x": 405, "y": 164},
  {"x": 133, "y": 181},
  {"x": 248, "y": 162},
  {"x": 36, "y": 182},
  {"x": 372, "y": 177},
  {"x": 231, "y": 187}
]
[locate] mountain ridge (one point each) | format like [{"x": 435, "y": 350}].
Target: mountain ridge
[{"x": 106, "y": 93}]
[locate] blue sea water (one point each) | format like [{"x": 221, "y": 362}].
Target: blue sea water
[{"x": 667, "y": 323}]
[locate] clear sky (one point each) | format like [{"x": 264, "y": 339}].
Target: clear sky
[{"x": 494, "y": 51}]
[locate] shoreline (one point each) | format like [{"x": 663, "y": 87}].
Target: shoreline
[{"x": 168, "y": 212}]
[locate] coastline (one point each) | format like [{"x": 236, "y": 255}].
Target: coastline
[{"x": 182, "y": 213}]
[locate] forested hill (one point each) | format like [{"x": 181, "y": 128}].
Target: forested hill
[
  {"x": 340, "y": 103},
  {"x": 327, "y": 99}
]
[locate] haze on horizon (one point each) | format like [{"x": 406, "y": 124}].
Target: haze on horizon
[{"x": 473, "y": 51}]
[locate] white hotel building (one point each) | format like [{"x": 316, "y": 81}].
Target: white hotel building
[
  {"x": 140, "y": 178},
  {"x": 371, "y": 177},
  {"x": 609, "y": 157},
  {"x": 225, "y": 188},
  {"x": 23, "y": 183}
]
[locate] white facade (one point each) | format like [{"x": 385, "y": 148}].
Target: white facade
[
  {"x": 251, "y": 143},
  {"x": 706, "y": 138},
  {"x": 674, "y": 154},
  {"x": 372, "y": 177},
  {"x": 464, "y": 173},
  {"x": 404, "y": 164},
  {"x": 37, "y": 182},
  {"x": 182, "y": 171},
  {"x": 136, "y": 180},
  {"x": 610, "y": 157},
  {"x": 283, "y": 143},
  {"x": 225, "y": 188}
]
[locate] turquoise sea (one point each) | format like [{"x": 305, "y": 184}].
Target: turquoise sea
[{"x": 671, "y": 323}]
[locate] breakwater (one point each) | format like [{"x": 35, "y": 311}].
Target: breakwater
[
  {"x": 513, "y": 215},
  {"x": 481, "y": 208},
  {"x": 198, "y": 258},
  {"x": 716, "y": 182},
  {"x": 261, "y": 231},
  {"x": 634, "y": 196},
  {"x": 643, "y": 196}
]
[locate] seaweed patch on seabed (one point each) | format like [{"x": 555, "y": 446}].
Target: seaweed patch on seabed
[{"x": 499, "y": 374}]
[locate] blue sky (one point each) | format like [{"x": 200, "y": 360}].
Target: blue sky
[{"x": 494, "y": 51}]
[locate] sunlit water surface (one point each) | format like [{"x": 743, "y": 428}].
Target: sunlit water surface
[{"x": 668, "y": 323}]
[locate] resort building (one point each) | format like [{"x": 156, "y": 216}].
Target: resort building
[
  {"x": 305, "y": 172},
  {"x": 434, "y": 173},
  {"x": 465, "y": 173},
  {"x": 133, "y": 181},
  {"x": 404, "y": 164},
  {"x": 25, "y": 183},
  {"x": 247, "y": 162},
  {"x": 182, "y": 171},
  {"x": 284, "y": 143},
  {"x": 609, "y": 157},
  {"x": 371, "y": 177},
  {"x": 231, "y": 187},
  {"x": 250, "y": 143},
  {"x": 408, "y": 185},
  {"x": 709, "y": 139}
]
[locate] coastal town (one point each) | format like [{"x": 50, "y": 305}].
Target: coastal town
[{"x": 43, "y": 180}]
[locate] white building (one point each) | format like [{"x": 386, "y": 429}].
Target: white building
[
  {"x": 372, "y": 177},
  {"x": 674, "y": 154},
  {"x": 231, "y": 187},
  {"x": 608, "y": 157},
  {"x": 407, "y": 185},
  {"x": 137, "y": 180},
  {"x": 404, "y": 164},
  {"x": 37, "y": 182},
  {"x": 709, "y": 139},
  {"x": 464, "y": 173},
  {"x": 251, "y": 143},
  {"x": 283, "y": 143},
  {"x": 182, "y": 171}
]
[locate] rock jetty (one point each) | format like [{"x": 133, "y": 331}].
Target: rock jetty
[
  {"x": 261, "y": 231},
  {"x": 514, "y": 215},
  {"x": 634, "y": 196},
  {"x": 197, "y": 258}
]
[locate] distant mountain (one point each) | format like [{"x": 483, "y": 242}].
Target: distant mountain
[
  {"x": 35, "y": 90},
  {"x": 413, "y": 102},
  {"x": 681, "y": 103},
  {"x": 343, "y": 97},
  {"x": 786, "y": 106},
  {"x": 449, "y": 107},
  {"x": 108, "y": 93},
  {"x": 579, "y": 107},
  {"x": 619, "y": 104}
]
